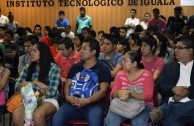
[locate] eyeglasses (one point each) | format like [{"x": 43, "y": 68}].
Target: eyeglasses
[{"x": 180, "y": 48}]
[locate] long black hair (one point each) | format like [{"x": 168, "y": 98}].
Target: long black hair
[
  {"x": 2, "y": 58},
  {"x": 44, "y": 64}
]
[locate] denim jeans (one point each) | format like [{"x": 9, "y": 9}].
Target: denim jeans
[
  {"x": 177, "y": 113},
  {"x": 114, "y": 119},
  {"x": 92, "y": 113}
]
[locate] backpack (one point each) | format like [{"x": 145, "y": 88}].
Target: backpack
[{"x": 84, "y": 84}]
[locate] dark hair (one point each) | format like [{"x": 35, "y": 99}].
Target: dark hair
[
  {"x": 162, "y": 17},
  {"x": 10, "y": 14},
  {"x": 21, "y": 31},
  {"x": 124, "y": 28},
  {"x": 134, "y": 10},
  {"x": 81, "y": 38},
  {"x": 48, "y": 28},
  {"x": 138, "y": 28},
  {"x": 87, "y": 29},
  {"x": 101, "y": 31},
  {"x": 163, "y": 48},
  {"x": 28, "y": 29},
  {"x": 136, "y": 38},
  {"x": 45, "y": 61},
  {"x": 61, "y": 12},
  {"x": 111, "y": 38},
  {"x": 2, "y": 57},
  {"x": 3, "y": 28},
  {"x": 56, "y": 39},
  {"x": 94, "y": 45},
  {"x": 53, "y": 33},
  {"x": 37, "y": 25},
  {"x": 151, "y": 41},
  {"x": 33, "y": 39},
  {"x": 10, "y": 32},
  {"x": 125, "y": 43},
  {"x": 156, "y": 10},
  {"x": 147, "y": 13},
  {"x": 114, "y": 31},
  {"x": 67, "y": 42},
  {"x": 188, "y": 41},
  {"x": 82, "y": 9},
  {"x": 93, "y": 34},
  {"x": 178, "y": 8},
  {"x": 68, "y": 26},
  {"x": 136, "y": 57}
]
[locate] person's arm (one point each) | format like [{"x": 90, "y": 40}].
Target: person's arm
[
  {"x": 104, "y": 86},
  {"x": 116, "y": 70},
  {"x": 54, "y": 79},
  {"x": 21, "y": 78},
  {"x": 158, "y": 70},
  {"x": 4, "y": 79},
  {"x": 21, "y": 63}
]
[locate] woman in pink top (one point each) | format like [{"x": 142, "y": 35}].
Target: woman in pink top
[{"x": 132, "y": 74}]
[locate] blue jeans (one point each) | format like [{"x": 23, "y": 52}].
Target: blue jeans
[
  {"x": 114, "y": 119},
  {"x": 92, "y": 113},
  {"x": 177, "y": 113}
]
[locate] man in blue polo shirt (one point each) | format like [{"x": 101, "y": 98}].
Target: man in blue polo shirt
[
  {"x": 61, "y": 22},
  {"x": 83, "y": 21}
]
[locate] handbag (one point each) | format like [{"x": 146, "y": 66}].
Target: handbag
[
  {"x": 14, "y": 102},
  {"x": 129, "y": 108}
]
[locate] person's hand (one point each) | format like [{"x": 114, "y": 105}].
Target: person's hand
[
  {"x": 82, "y": 102},
  {"x": 124, "y": 94},
  {"x": 43, "y": 86},
  {"x": 24, "y": 83},
  {"x": 72, "y": 100},
  {"x": 180, "y": 91},
  {"x": 177, "y": 98}
]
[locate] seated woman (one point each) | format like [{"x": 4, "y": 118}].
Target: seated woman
[
  {"x": 44, "y": 76},
  {"x": 4, "y": 76},
  {"x": 132, "y": 74}
]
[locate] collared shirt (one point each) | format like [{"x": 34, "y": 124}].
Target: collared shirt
[
  {"x": 83, "y": 22},
  {"x": 65, "y": 63},
  {"x": 184, "y": 78},
  {"x": 52, "y": 82}
]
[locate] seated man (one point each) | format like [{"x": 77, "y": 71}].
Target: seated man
[
  {"x": 28, "y": 45},
  {"x": 66, "y": 57},
  {"x": 80, "y": 103},
  {"x": 110, "y": 55},
  {"x": 176, "y": 84}
]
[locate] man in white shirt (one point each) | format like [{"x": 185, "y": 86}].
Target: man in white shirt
[
  {"x": 131, "y": 22},
  {"x": 68, "y": 32},
  {"x": 3, "y": 19},
  {"x": 176, "y": 84}
]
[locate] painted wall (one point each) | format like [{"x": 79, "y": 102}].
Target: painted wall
[{"x": 103, "y": 16}]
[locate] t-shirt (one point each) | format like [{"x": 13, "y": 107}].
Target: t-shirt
[
  {"x": 116, "y": 59},
  {"x": 8, "y": 49},
  {"x": 160, "y": 24},
  {"x": 70, "y": 35},
  {"x": 130, "y": 21},
  {"x": 3, "y": 20},
  {"x": 145, "y": 81},
  {"x": 176, "y": 23},
  {"x": 83, "y": 22},
  {"x": 65, "y": 64},
  {"x": 64, "y": 23},
  {"x": 99, "y": 67},
  {"x": 157, "y": 63}
]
